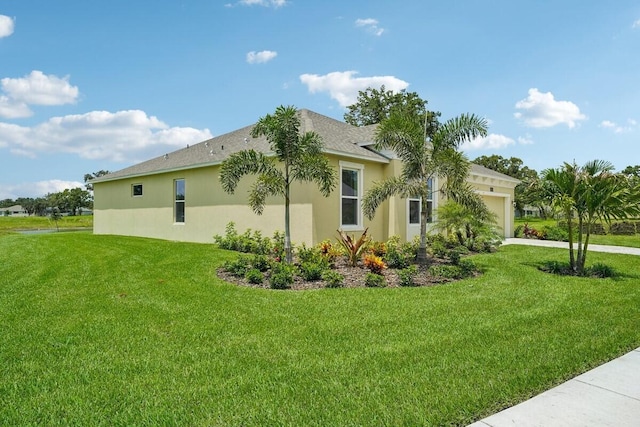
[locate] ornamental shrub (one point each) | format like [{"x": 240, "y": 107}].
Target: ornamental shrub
[
  {"x": 254, "y": 276},
  {"x": 373, "y": 280},
  {"x": 374, "y": 263},
  {"x": 333, "y": 279},
  {"x": 311, "y": 271},
  {"x": 407, "y": 275}
]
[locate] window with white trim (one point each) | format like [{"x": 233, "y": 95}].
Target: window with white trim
[
  {"x": 179, "y": 203},
  {"x": 351, "y": 195},
  {"x": 415, "y": 206}
]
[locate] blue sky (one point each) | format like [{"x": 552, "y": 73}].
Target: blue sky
[{"x": 93, "y": 85}]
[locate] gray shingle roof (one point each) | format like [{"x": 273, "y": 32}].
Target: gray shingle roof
[{"x": 338, "y": 138}]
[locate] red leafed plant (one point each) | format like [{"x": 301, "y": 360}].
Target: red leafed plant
[{"x": 352, "y": 247}]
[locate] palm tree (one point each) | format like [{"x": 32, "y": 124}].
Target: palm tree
[
  {"x": 427, "y": 149},
  {"x": 300, "y": 157},
  {"x": 589, "y": 193}
]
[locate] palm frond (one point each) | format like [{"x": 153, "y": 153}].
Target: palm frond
[
  {"x": 380, "y": 192},
  {"x": 267, "y": 184},
  {"x": 242, "y": 163},
  {"x": 459, "y": 129}
]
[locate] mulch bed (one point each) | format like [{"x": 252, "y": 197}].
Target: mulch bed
[{"x": 354, "y": 277}]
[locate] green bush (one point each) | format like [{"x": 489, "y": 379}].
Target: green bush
[
  {"x": 446, "y": 271},
  {"x": 282, "y": 276},
  {"x": 311, "y": 271},
  {"x": 399, "y": 255},
  {"x": 556, "y": 267},
  {"x": 454, "y": 256},
  {"x": 333, "y": 279},
  {"x": 600, "y": 270},
  {"x": 261, "y": 262},
  {"x": 247, "y": 242},
  {"x": 238, "y": 267},
  {"x": 254, "y": 276},
  {"x": 623, "y": 228},
  {"x": 372, "y": 280},
  {"x": 559, "y": 234},
  {"x": 467, "y": 266},
  {"x": 407, "y": 275}
]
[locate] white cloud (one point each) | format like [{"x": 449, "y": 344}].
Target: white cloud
[
  {"x": 12, "y": 109},
  {"x": 492, "y": 141},
  {"x": 541, "y": 110},
  {"x": 371, "y": 25},
  {"x": 343, "y": 86},
  {"x": 265, "y": 3},
  {"x": 6, "y": 26},
  {"x": 121, "y": 136},
  {"x": 261, "y": 57},
  {"x": 37, "y": 88},
  {"x": 525, "y": 140},
  {"x": 616, "y": 128},
  {"x": 636, "y": 24}
]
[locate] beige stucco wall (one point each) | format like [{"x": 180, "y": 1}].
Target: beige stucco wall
[{"x": 209, "y": 209}]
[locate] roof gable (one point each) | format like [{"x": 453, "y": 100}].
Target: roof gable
[{"x": 338, "y": 138}]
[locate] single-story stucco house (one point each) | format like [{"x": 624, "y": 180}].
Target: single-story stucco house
[
  {"x": 178, "y": 196},
  {"x": 15, "y": 210}
]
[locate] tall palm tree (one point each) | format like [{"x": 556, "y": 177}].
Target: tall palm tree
[
  {"x": 300, "y": 159},
  {"x": 427, "y": 149},
  {"x": 590, "y": 193}
]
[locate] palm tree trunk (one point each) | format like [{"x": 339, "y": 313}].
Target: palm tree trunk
[
  {"x": 288, "y": 255},
  {"x": 572, "y": 257},
  {"x": 422, "y": 250},
  {"x": 579, "y": 267}
]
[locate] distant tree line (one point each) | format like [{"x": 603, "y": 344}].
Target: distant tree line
[{"x": 70, "y": 201}]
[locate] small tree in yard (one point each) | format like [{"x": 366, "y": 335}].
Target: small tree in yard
[
  {"x": 588, "y": 194},
  {"x": 301, "y": 159},
  {"x": 427, "y": 149}
]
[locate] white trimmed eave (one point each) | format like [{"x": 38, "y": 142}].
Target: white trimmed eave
[{"x": 480, "y": 178}]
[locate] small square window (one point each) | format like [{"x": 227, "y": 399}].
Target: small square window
[{"x": 136, "y": 190}]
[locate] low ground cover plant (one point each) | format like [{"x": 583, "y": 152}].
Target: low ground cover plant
[{"x": 345, "y": 262}]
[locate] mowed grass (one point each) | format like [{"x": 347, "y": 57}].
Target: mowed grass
[
  {"x": 108, "y": 330},
  {"x": 12, "y": 223}
]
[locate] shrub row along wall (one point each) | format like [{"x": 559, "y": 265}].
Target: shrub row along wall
[{"x": 628, "y": 228}]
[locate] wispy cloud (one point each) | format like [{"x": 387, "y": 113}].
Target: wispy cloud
[
  {"x": 616, "y": 128},
  {"x": 371, "y": 25},
  {"x": 636, "y": 24},
  {"x": 6, "y": 26},
  {"x": 265, "y": 3},
  {"x": 343, "y": 86},
  {"x": 261, "y": 57},
  {"x": 541, "y": 110},
  {"x": 35, "y": 88}
]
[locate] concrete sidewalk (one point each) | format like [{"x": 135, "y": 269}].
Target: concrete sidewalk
[
  {"x": 565, "y": 245},
  {"x": 608, "y": 395}
]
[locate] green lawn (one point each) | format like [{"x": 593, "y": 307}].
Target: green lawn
[
  {"x": 13, "y": 223},
  {"x": 107, "y": 330}
]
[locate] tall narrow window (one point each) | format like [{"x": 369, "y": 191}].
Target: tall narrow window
[
  {"x": 415, "y": 207},
  {"x": 179, "y": 200},
  {"x": 350, "y": 195}
]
